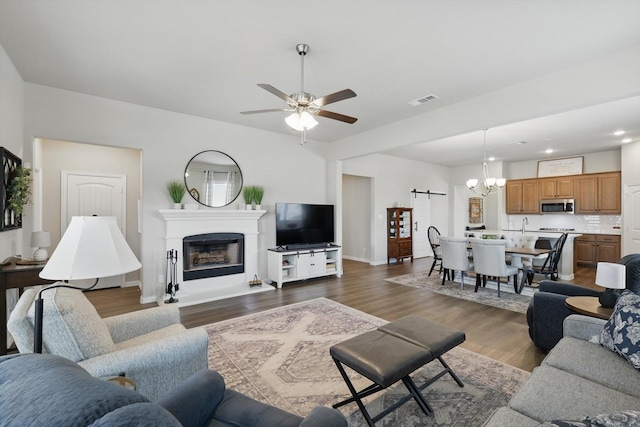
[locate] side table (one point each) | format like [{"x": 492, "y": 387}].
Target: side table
[
  {"x": 589, "y": 306},
  {"x": 14, "y": 276}
]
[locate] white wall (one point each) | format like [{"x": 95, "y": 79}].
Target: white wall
[
  {"x": 630, "y": 176},
  {"x": 393, "y": 179},
  {"x": 604, "y": 161},
  {"x": 288, "y": 171},
  {"x": 11, "y": 123}
]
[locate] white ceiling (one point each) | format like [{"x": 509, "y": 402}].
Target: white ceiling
[{"x": 204, "y": 58}]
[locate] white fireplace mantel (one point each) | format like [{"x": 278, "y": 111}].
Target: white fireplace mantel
[{"x": 181, "y": 223}]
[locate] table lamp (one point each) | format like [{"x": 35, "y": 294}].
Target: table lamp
[
  {"x": 92, "y": 247},
  {"x": 612, "y": 277},
  {"x": 40, "y": 240}
]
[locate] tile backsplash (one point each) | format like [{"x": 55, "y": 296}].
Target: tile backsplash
[{"x": 585, "y": 223}]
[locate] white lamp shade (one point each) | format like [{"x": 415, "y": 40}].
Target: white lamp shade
[
  {"x": 40, "y": 239},
  {"x": 472, "y": 183},
  {"x": 92, "y": 247},
  {"x": 610, "y": 275}
]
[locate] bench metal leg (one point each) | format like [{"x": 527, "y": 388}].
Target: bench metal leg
[{"x": 414, "y": 392}]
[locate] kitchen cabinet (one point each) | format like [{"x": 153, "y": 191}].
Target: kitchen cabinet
[
  {"x": 399, "y": 234},
  {"x": 590, "y": 249},
  {"x": 523, "y": 196},
  {"x": 560, "y": 187},
  {"x": 598, "y": 194}
]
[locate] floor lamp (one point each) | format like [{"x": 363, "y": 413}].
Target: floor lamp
[{"x": 91, "y": 248}]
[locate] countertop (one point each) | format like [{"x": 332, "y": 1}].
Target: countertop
[{"x": 614, "y": 231}]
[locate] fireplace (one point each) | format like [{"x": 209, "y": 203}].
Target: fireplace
[
  {"x": 212, "y": 255},
  {"x": 185, "y": 223}
]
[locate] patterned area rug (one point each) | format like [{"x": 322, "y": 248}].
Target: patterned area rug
[
  {"x": 489, "y": 295},
  {"x": 281, "y": 357}
]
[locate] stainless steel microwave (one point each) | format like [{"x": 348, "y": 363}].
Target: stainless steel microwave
[{"x": 558, "y": 206}]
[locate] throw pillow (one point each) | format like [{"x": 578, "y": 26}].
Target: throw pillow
[
  {"x": 619, "y": 419},
  {"x": 621, "y": 333}
]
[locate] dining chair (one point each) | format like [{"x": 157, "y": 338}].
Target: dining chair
[
  {"x": 455, "y": 257},
  {"x": 489, "y": 261},
  {"x": 434, "y": 240},
  {"x": 521, "y": 241},
  {"x": 549, "y": 269}
]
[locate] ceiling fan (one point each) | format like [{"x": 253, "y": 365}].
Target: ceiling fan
[{"x": 304, "y": 105}]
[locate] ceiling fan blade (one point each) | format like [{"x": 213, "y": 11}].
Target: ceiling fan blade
[
  {"x": 277, "y": 93},
  {"x": 270, "y": 110},
  {"x": 334, "y": 97},
  {"x": 337, "y": 116}
]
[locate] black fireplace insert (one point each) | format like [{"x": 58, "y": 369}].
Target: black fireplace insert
[{"x": 212, "y": 255}]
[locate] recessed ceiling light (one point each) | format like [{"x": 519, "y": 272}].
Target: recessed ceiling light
[
  {"x": 519, "y": 142},
  {"x": 548, "y": 151},
  {"x": 491, "y": 159},
  {"x": 626, "y": 140},
  {"x": 618, "y": 132}
]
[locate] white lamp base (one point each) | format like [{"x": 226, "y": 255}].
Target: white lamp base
[{"x": 40, "y": 254}]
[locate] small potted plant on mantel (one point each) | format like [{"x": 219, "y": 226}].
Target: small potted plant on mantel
[
  {"x": 258, "y": 193},
  {"x": 247, "y": 194},
  {"x": 176, "y": 192}
]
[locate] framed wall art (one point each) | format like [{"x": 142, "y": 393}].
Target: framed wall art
[
  {"x": 475, "y": 210},
  {"x": 560, "y": 167},
  {"x": 10, "y": 165}
]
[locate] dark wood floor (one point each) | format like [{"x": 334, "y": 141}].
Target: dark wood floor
[{"x": 493, "y": 332}]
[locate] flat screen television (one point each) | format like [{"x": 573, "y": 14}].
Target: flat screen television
[{"x": 299, "y": 225}]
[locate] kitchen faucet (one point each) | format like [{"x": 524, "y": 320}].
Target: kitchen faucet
[{"x": 525, "y": 220}]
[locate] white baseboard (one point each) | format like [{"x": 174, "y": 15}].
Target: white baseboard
[{"x": 352, "y": 258}]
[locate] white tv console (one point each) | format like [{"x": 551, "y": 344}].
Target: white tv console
[{"x": 291, "y": 265}]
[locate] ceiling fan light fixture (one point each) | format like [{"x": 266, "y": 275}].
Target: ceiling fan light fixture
[{"x": 301, "y": 121}]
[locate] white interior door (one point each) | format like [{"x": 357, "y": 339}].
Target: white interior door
[
  {"x": 87, "y": 194},
  {"x": 631, "y": 218},
  {"x": 421, "y": 220}
]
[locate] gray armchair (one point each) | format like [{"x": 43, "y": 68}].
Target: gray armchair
[
  {"x": 150, "y": 346},
  {"x": 48, "y": 390}
]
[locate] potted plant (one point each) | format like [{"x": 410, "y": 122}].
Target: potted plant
[
  {"x": 247, "y": 194},
  {"x": 176, "y": 192},
  {"x": 258, "y": 193},
  {"x": 19, "y": 190}
]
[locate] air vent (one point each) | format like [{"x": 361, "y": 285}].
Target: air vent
[{"x": 423, "y": 100}]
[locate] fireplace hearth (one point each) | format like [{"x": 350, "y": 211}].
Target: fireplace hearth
[{"x": 212, "y": 255}]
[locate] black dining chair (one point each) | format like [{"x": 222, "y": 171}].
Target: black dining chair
[
  {"x": 434, "y": 240},
  {"x": 550, "y": 267}
]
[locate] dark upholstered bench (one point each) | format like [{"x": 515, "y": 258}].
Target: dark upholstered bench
[{"x": 390, "y": 354}]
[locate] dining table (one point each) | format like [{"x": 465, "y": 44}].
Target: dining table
[
  {"x": 517, "y": 254},
  {"x": 516, "y": 259}
]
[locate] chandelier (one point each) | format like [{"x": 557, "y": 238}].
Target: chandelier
[{"x": 486, "y": 185}]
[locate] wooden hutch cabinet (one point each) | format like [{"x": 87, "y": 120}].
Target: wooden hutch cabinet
[{"x": 399, "y": 234}]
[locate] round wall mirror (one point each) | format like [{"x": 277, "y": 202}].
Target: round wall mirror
[{"x": 213, "y": 178}]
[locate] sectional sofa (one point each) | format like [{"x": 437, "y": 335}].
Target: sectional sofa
[{"x": 579, "y": 383}]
